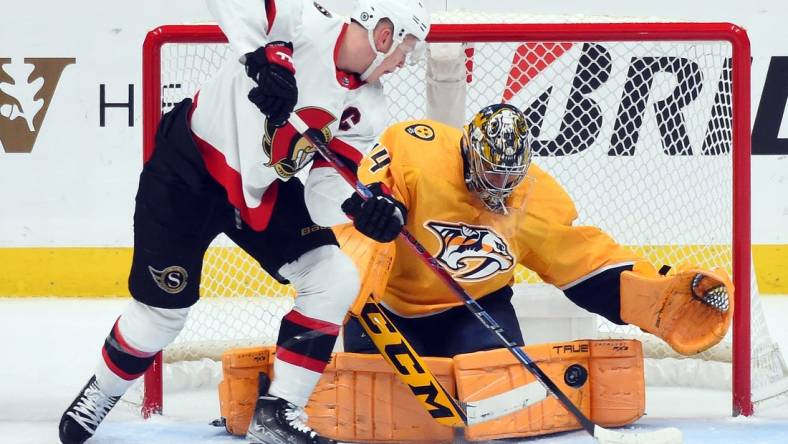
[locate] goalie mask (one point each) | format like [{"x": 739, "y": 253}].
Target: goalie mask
[
  {"x": 496, "y": 148},
  {"x": 411, "y": 24}
]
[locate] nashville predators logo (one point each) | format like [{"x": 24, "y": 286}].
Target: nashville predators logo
[
  {"x": 471, "y": 253},
  {"x": 287, "y": 151},
  {"x": 171, "y": 279}
]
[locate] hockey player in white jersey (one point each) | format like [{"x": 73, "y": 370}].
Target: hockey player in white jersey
[{"x": 224, "y": 163}]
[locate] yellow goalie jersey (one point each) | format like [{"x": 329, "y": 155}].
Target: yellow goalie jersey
[{"x": 421, "y": 163}]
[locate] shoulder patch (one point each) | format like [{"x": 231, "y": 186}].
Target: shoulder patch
[
  {"x": 421, "y": 131},
  {"x": 322, "y": 10}
]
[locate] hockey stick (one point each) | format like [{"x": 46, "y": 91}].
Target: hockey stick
[
  {"x": 663, "y": 436},
  {"x": 436, "y": 400}
]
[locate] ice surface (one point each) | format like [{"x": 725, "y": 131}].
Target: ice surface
[{"x": 50, "y": 347}]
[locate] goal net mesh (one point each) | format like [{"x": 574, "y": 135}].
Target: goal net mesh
[{"x": 639, "y": 132}]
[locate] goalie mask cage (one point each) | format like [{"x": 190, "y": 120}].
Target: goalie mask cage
[{"x": 645, "y": 124}]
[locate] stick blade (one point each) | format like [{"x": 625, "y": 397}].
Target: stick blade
[{"x": 670, "y": 435}]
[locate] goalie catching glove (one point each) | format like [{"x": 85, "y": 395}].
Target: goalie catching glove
[
  {"x": 691, "y": 309},
  {"x": 271, "y": 68},
  {"x": 381, "y": 217}
]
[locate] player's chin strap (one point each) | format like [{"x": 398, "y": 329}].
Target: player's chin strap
[
  {"x": 663, "y": 436},
  {"x": 379, "y": 56}
]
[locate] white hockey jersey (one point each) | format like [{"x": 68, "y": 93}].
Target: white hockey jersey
[{"x": 244, "y": 154}]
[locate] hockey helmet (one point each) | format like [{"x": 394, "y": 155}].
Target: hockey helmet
[{"x": 496, "y": 147}]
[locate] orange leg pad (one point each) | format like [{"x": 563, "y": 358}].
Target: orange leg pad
[
  {"x": 612, "y": 394},
  {"x": 359, "y": 398},
  {"x": 238, "y": 388}
]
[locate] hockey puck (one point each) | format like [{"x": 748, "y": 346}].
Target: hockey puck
[{"x": 575, "y": 376}]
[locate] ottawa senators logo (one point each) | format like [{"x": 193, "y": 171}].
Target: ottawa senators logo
[
  {"x": 471, "y": 253},
  {"x": 287, "y": 151},
  {"x": 172, "y": 279}
]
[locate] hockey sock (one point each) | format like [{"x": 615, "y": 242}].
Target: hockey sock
[
  {"x": 327, "y": 283},
  {"x": 138, "y": 334},
  {"x": 303, "y": 349},
  {"x": 121, "y": 365}
]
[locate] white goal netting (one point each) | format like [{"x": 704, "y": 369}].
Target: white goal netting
[{"x": 639, "y": 129}]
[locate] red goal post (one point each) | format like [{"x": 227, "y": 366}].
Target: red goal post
[{"x": 550, "y": 32}]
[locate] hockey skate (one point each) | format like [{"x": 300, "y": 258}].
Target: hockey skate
[
  {"x": 83, "y": 416},
  {"x": 277, "y": 421}
]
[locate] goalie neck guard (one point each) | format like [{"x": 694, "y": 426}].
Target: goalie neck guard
[{"x": 496, "y": 150}]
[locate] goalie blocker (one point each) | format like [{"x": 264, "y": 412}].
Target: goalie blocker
[{"x": 603, "y": 378}]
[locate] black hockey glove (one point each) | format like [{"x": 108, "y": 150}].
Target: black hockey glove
[
  {"x": 271, "y": 68},
  {"x": 380, "y": 217}
]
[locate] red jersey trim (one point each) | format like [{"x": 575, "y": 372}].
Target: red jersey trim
[
  {"x": 270, "y": 13},
  {"x": 230, "y": 179},
  {"x": 345, "y": 79},
  {"x": 346, "y": 150},
  {"x": 300, "y": 360},
  {"x": 321, "y": 163}
]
